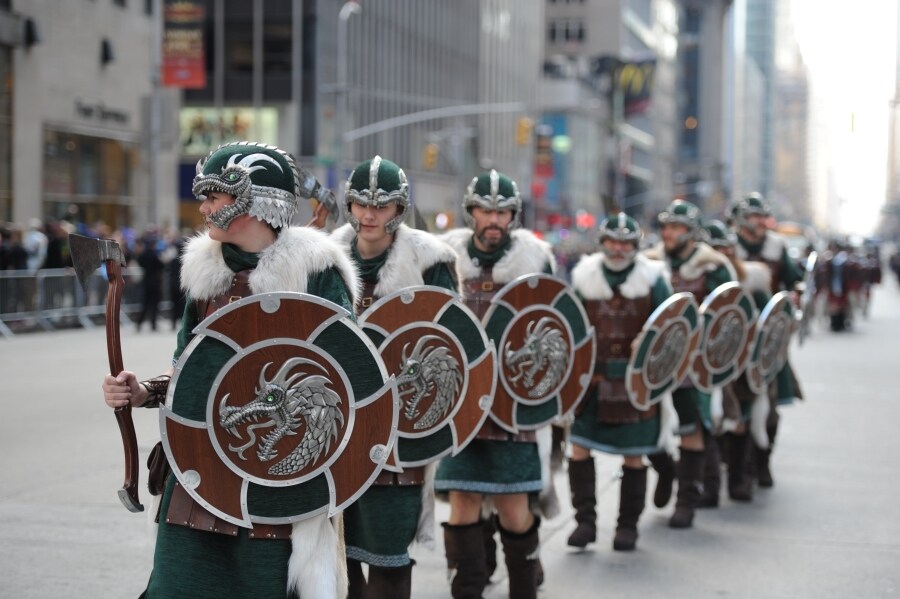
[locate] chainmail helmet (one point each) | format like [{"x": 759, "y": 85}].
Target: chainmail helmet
[
  {"x": 377, "y": 182},
  {"x": 621, "y": 227},
  {"x": 753, "y": 203},
  {"x": 264, "y": 181},
  {"x": 718, "y": 235},
  {"x": 493, "y": 191}
]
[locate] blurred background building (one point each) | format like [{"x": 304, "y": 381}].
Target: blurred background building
[{"x": 592, "y": 105}]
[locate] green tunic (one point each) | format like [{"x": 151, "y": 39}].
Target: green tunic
[
  {"x": 692, "y": 405},
  {"x": 633, "y": 439},
  {"x": 486, "y": 466},
  {"x": 380, "y": 526},
  {"x": 199, "y": 564}
]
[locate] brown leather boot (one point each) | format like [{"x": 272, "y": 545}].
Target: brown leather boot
[
  {"x": 583, "y": 483},
  {"x": 665, "y": 469},
  {"x": 632, "y": 497},
  {"x": 712, "y": 473},
  {"x": 390, "y": 583},
  {"x": 690, "y": 474},
  {"x": 490, "y": 547},
  {"x": 740, "y": 484},
  {"x": 357, "y": 580},
  {"x": 464, "y": 545},
  {"x": 522, "y": 558}
]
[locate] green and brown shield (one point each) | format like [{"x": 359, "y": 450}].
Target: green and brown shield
[{"x": 770, "y": 349}]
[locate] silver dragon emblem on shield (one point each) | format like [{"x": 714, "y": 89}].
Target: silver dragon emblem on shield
[
  {"x": 544, "y": 349},
  {"x": 429, "y": 368},
  {"x": 283, "y": 403}
]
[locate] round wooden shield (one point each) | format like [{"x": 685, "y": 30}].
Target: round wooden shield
[
  {"x": 280, "y": 408},
  {"x": 729, "y": 327},
  {"x": 663, "y": 349},
  {"x": 445, "y": 367},
  {"x": 770, "y": 349},
  {"x": 546, "y": 349}
]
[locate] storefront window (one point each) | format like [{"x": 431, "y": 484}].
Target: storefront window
[{"x": 88, "y": 179}]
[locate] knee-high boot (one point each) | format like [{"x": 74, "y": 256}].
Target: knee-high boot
[
  {"x": 690, "y": 485},
  {"x": 740, "y": 484},
  {"x": 583, "y": 483},
  {"x": 712, "y": 472},
  {"x": 763, "y": 473},
  {"x": 490, "y": 546},
  {"x": 390, "y": 583},
  {"x": 464, "y": 545},
  {"x": 632, "y": 497},
  {"x": 665, "y": 469},
  {"x": 356, "y": 579},
  {"x": 520, "y": 551}
]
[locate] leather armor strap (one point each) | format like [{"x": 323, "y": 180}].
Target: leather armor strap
[
  {"x": 157, "y": 387},
  {"x": 184, "y": 511},
  {"x": 491, "y": 431},
  {"x": 367, "y": 298},
  {"x": 480, "y": 291},
  {"x": 696, "y": 286},
  {"x": 240, "y": 288},
  {"x": 409, "y": 477}
]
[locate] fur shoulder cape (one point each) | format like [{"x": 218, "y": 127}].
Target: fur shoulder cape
[
  {"x": 772, "y": 249},
  {"x": 527, "y": 255},
  {"x": 286, "y": 265},
  {"x": 757, "y": 277},
  {"x": 411, "y": 254},
  {"x": 589, "y": 281},
  {"x": 705, "y": 259}
]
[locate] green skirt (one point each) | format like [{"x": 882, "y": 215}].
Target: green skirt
[
  {"x": 639, "y": 438},
  {"x": 199, "y": 564},
  {"x": 491, "y": 467},
  {"x": 380, "y": 525}
]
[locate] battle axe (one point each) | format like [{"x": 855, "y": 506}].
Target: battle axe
[{"x": 87, "y": 256}]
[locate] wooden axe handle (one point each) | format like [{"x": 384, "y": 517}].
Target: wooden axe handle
[{"x": 128, "y": 494}]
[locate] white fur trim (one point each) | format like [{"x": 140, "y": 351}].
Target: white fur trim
[
  {"x": 411, "y": 254},
  {"x": 757, "y": 277},
  {"x": 549, "y": 501},
  {"x": 318, "y": 563},
  {"x": 668, "y": 425},
  {"x": 759, "y": 413},
  {"x": 704, "y": 260},
  {"x": 425, "y": 531},
  {"x": 588, "y": 279},
  {"x": 773, "y": 247},
  {"x": 286, "y": 265},
  {"x": 527, "y": 255}
]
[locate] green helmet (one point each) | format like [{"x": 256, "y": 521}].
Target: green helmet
[
  {"x": 621, "y": 227},
  {"x": 493, "y": 191},
  {"x": 264, "y": 181},
  {"x": 753, "y": 203},
  {"x": 681, "y": 212},
  {"x": 718, "y": 235},
  {"x": 377, "y": 182}
]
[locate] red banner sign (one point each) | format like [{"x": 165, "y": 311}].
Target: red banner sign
[{"x": 183, "y": 63}]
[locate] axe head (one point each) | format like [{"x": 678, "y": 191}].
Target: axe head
[
  {"x": 311, "y": 189},
  {"x": 89, "y": 253}
]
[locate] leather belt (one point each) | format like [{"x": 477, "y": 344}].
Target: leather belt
[
  {"x": 409, "y": 477},
  {"x": 491, "y": 431}
]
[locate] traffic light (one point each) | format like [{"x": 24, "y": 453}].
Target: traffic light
[
  {"x": 524, "y": 127},
  {"x": 430, "y": 156}
]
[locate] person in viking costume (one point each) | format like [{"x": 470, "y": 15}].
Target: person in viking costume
[
  {"x": 743, "y": 412},
  {"x": 619, "y": 289},
  {"x": 756, "y": 243},
  {"x": 390, "y": 256},
  {"x": 697, "y": 268},
  {"x": 504, "y": 466},
  {"x": 248, "y": 195}
]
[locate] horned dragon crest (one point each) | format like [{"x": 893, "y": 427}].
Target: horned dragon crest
[
  {"x": 284, "y": 402},
  {"x": 544, "y": 346},
  {"x": 425, "y": 369}
]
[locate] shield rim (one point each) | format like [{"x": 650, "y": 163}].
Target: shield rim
[
  {"x": 747, "y": 341},
  {"x": 779, "y": 300}
]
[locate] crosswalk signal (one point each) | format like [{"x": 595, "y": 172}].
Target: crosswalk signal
[
  {"x": 430, "y": 156},
  {"x": 524, "y": 127}
]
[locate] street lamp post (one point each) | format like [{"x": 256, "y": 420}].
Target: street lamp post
[{"x": 349, "y": 9}]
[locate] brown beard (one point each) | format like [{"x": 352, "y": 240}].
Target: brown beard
[{"x": 489, "y": 243}]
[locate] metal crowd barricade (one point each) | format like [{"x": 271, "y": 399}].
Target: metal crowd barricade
[{"x": 52, "y": 299}]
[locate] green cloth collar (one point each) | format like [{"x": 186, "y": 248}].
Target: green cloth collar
[
  {"x": 368, "y": 267},
  {"x": 237, "y": 259},
  {"x": 616, "y": 277}
]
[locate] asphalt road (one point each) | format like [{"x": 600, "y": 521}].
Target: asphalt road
[{"x": 829, "y": 528}]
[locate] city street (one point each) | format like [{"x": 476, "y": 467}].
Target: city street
[{"x": 829, "y": 528}]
